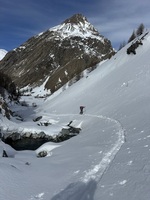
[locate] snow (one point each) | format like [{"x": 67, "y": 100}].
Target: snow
[
  {"x": 2, "y": 53},
  {"x": 109, "y": 159},
  {"x": 40, "y": 91},
  {"x": 83, "y": 30},
  {"x": 48, "y": 147}
]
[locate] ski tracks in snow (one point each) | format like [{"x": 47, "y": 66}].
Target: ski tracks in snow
[
  {"x": 85, "y": 188},
  {"x": 98, "y": 170}
]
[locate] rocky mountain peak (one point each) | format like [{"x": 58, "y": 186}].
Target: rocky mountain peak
[
  {"x": 76, "y": 19},
  {"x": 77, "y": 25},
  {"x": 57, "y": 55}
]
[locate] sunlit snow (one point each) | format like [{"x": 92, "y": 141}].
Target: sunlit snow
[
  {"x": 109, "y": 159},
  {"x": 2, "y": 53}
]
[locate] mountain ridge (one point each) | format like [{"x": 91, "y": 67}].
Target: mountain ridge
[{"x": 60, "y": 53}]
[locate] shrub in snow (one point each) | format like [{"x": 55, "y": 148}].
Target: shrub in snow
[{"x": 4, "y": 154}]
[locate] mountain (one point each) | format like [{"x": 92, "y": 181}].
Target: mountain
[
  {"x": 2, "y": 53},
  {"x": 109, "y": 159},
  {"x": 57, "y": 55}
]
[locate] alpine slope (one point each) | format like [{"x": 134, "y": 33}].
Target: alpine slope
[{"x": 110, "y": 158}]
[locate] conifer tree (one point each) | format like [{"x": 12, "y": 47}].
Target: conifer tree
[
  {"x": 7, "y": 83},
  {"x": 122, "y": 45},
  {"x": 140, "y": 29},
  {"x": 132, "y": 37}
]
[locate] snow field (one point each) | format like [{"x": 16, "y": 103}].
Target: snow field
[{"x": 110, "y": 158}]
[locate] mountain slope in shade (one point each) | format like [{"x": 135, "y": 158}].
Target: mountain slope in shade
[{"x": 58, "y": 54}]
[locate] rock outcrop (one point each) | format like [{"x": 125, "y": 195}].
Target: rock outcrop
[{"x": 32, "y": 141}]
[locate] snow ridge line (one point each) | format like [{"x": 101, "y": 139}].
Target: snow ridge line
[{"x": 98, "y": 170}]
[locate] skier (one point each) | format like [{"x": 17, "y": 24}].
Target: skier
[{"x": 81, "y": 109}]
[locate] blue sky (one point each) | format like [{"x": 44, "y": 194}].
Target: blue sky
[{"x": 115, "y": 19}]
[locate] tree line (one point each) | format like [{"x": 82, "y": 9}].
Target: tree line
[
  {"x": 7, "y": 83},
  {"x": 135, "y": 33}
]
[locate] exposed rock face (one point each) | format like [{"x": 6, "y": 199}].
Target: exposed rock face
[
  {"x": 60, "y": 53},
  {"x": 4, "y": 108},
  {"x": 30, "y": 141}
]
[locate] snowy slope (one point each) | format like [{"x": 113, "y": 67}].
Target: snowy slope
[
  {"x": 110, "y": 159},
  {"x": 2, "y": 53}
]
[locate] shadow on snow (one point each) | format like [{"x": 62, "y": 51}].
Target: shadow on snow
[{"x": 78, "y": 190}]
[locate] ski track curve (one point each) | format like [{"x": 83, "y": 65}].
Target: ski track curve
[
  {"x": 97, "y": 172},
  {"x": 85, "y": 188}
]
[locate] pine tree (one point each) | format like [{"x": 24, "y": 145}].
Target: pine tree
[
  {"x": 140, "y": 29},
  {"x": 132, "y": 37},
  {"x": 122, "y": 45}
]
